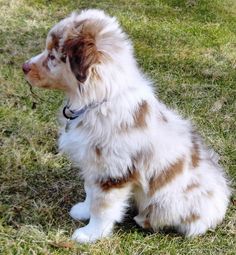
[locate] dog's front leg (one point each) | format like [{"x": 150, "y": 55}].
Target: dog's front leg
[
  {"x": 107, "y": 207},
  {"x": 81, "y": 211}
]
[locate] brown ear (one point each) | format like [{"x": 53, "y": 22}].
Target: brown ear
[{"x": 82, "y": 53}]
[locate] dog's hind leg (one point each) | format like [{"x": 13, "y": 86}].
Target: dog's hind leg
[{"x": 143, "y": 218}]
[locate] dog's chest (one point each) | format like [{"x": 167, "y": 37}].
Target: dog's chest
[
  {"x": 81, "y": 143},
  {"x": 75, "y": 142}
]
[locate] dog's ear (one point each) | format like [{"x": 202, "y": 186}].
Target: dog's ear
[{"x": 80, "y": 48}]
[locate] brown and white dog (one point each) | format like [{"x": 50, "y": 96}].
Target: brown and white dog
[{"x": 124, "y": 140}]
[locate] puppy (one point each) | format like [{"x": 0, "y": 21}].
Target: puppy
[{"x": 124, "y": 140}]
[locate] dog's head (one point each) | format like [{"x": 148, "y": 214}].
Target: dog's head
[{"x": 78, "y": 50}]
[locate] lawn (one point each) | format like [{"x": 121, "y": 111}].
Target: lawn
[{"x": 187, "y": 47}]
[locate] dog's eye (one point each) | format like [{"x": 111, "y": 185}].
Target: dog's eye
[{"x": 51, "y": 57}]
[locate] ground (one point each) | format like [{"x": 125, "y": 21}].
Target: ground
[{"x": 188, "y": 49}]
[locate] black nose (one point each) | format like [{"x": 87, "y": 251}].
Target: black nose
[{"x": 26, "y": 67}]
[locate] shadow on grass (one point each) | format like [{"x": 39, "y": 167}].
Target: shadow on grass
[
  {"x": 129, "y": 225},
  {"x": 41, "y": 197}
]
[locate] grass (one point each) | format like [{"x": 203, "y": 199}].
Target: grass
[{"x": 187, "y": 47}]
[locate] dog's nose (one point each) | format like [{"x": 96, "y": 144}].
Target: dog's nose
[{"x": 26, "y": 67}]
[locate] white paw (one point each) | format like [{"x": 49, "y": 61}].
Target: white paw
[
  {"x": 81, "y": 236},
  {"x": 80, "y": 211},
  {"x": 86, "y": 235},
  {"x": 139, "y": 220}
]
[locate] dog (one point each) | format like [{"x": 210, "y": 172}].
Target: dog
[{"x": 125, "y": 141}]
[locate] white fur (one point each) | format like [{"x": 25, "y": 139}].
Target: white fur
[{"x": 123, "y": 86}]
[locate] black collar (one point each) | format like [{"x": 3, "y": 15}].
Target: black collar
[{"x": 73, "y": 114}]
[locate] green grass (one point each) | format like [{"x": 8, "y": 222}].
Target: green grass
[{"x": 187, "y": 47}]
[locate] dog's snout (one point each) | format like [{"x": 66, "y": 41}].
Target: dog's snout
[{"x": 26, "y": 67}]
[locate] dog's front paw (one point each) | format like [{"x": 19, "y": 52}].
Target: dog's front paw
[
  {"x": 81, "y": 236},
  {"x": 87, "y": 235},
  {"x": 80, "y": 211}
]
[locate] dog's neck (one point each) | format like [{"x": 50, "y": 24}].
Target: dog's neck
[
  {"x": 78, "y": 113},
  {"x": 71, "y": 114}
]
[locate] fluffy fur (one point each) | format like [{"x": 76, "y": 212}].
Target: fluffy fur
[{"x": 129, "y": 144}]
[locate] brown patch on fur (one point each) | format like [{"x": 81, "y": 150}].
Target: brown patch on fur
[
  {"x": 149, "y": 209},
  {"x": 195, "y": 154},
  {"x": 146, "y": 224},
  {"x": 38, "y": 76},
  {"x": 81, "y": 49},
  {"x": 140, "y": 115},
  {"x": 143, "y": 218},
  {"x": 165, "y": 177},
  {"x": 118, "y": 183},
  {"x": 34, "y": 73},
  {"x": 98, "y": 152},
  {"x": 191, "y": 218},
  {"x": 53, "y": 43},
  {"x": 191, "y": 186}
]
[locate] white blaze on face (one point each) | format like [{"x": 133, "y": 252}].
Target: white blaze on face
[{"x": 37, "y": 58}]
